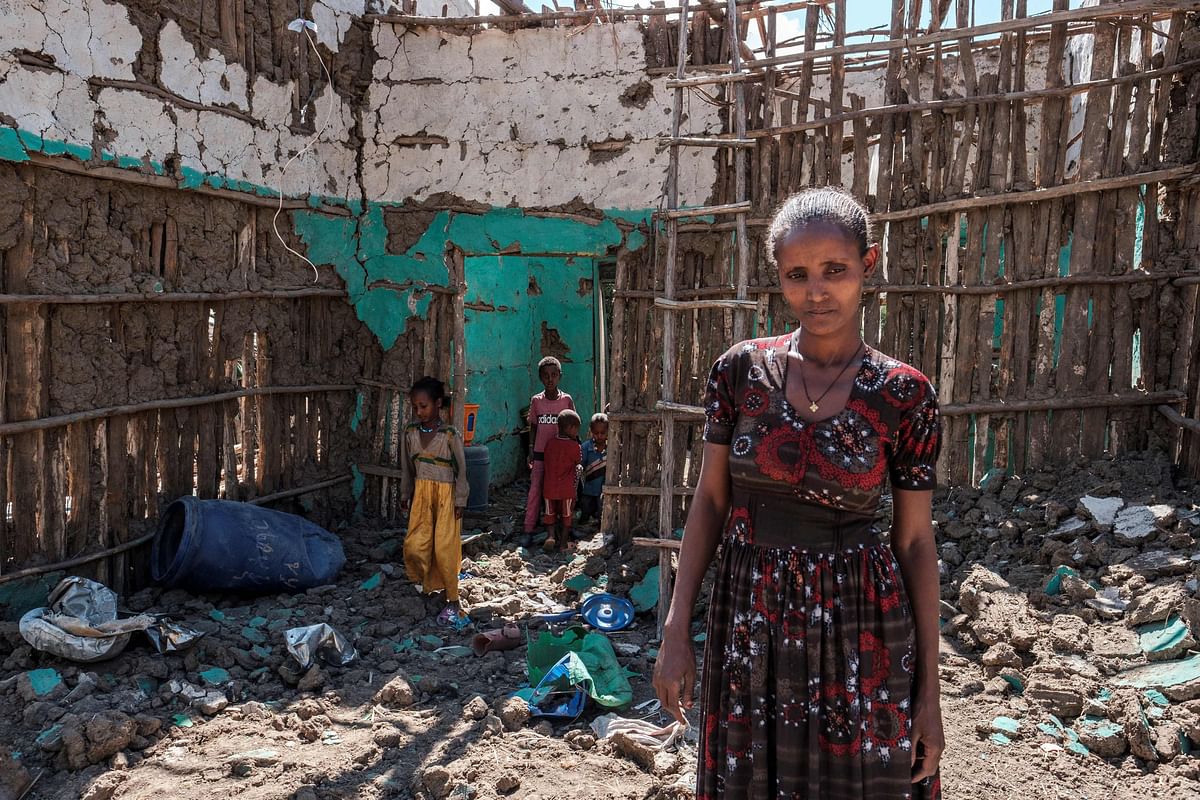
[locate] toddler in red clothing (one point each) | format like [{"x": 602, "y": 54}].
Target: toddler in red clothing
[{"x": 563, "y": 458}]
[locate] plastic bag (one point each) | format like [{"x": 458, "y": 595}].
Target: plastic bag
[
  {"x": 319, "y": 641},
  {"x": 596, "y": 669}
]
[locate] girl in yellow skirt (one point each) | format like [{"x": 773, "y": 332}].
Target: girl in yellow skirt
[{"x": 434, "y": 491}]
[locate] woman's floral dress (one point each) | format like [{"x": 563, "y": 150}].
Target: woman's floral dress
[{"x": 808, "y": 669}]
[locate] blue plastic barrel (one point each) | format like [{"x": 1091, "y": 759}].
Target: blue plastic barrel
[
  {"x": 479, "y": 466},
  {"x": 214, "y": 545}
]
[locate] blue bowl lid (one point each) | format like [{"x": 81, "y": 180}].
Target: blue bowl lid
[{"x": 607, "y": 612}]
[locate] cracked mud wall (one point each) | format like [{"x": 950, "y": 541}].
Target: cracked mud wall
[
  {"x": 142, "y": 145},
  {"x": 518, "y": 118}
]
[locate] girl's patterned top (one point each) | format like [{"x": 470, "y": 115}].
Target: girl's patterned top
[
  {"x": 889, "y": 428},
  {"x": 442, "y": 461}
]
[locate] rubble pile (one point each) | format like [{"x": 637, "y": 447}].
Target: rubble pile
[
  {"x": 1074, "y": 597},
  {"x": 93, "y": 718}
]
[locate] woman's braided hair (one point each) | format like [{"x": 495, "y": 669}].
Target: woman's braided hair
[{"x": 829, "y": 205}]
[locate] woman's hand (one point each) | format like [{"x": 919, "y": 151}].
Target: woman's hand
[
  {"x": 928, "y": 740},
  {"x": 404, "y": 506},
  {"x": 458, "y": 512},
  {"x": 675, "y": 675}
]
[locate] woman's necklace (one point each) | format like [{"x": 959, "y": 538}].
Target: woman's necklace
[
  {"x": 815, "y": 405},
  {"x": 430, "y": 429}
]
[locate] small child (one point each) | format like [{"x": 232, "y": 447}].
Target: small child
[
  {"x": 544, "y": 409},
  {"x": 434, "y": 491},
  {"x": 562, "y": 471},
  {"x": 595, "y": 463}
]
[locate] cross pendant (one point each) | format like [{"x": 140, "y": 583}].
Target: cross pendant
[{"x": 813, "y": 408}]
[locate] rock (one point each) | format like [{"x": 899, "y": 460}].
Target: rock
[
  {"x": 1059, "y": 696},
  {"x": 1155, "y": 604},
  {"x": 1135, "y": 525},
  {"x": 1167, "y": 740},
  {"x": 493, "y": 725},
  {"x": 1153, "y": 563},
  {"x": 1103, "y": 737},
  {"x": 477, "y": 708},
  {"x": 1111, "y": 641},
  {"x": 1069, "y": 634},
  {"x": 103, "y": 788},
  {"x": 14, "y": 778},
  {"x": 544, "y": 728},
  {"x": 388, "y": 737},
  {"x": 464, "y": 791},
  {"x": 308, "y": 708},
  {"x": 1001, "y": 655},
  {"x": 83, "y": 687},
  {"x": 508, "y": 782},
  {"x": 213, "y": 702},
  {"x": 313, "y": 679},
  {"x": 559, "y": 575},
  {"x": 514, "y": 713},
  {"x": 634, "y": 750},
  {"x": 1101, "y": 510},
  {"x": 580, "y": 740},
  {"x": 1188, "y": 716},
  {"x": 1137, "y": 728},
  {"x": 998, "y": 612},
  {"x": 1055, "y": 512},
  {"x": 951, "y": 554},
  {"x": 397, "y": 692},
  {"x": 1077, "y": 589},
  {"x": 970, "y": 688},
  {"x": 665, "y": 764},
  {"x": 41, "y": 684},
  {"x": 436, "y": 781},
  {"x": 108, "y": 733},
  {"x": 1164, "y": 516}
]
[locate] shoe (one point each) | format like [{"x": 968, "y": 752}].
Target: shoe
[{"x": 550, "y": 545}]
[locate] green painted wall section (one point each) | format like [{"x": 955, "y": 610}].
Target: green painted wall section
[{"x": 505, "y": 341}]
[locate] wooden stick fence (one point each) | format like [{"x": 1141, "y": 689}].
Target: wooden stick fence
[{"x": 1038, "y": 264}]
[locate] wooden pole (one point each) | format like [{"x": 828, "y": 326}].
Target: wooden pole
[
  {"x": 666, "y": 503},
  {"x": 742, "y": 276}
]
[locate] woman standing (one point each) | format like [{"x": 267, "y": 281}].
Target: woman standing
[{"x": 821, "y": 668}]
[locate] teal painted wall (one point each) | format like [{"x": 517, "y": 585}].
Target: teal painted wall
[{"x": 509, "y": 299}]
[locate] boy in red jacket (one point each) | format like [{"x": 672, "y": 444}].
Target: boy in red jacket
[{"x": 563, "y": 456}]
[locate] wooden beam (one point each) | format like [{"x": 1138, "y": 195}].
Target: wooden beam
[
  {"x": 1127, "y": 8},
  {"x": 62, "y": 420},
  {"x": 1066, "y": 403}
]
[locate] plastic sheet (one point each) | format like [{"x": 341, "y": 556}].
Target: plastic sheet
[
  {"x": 171, "y": 637},
  {"x": 321, "y": 641},
  {"x": 81, "y": 622}
]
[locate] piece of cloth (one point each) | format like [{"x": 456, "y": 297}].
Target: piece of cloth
[
  {"x": 533, "y": 503},
  {"x": 433, "y": 544},
  {"x": 590, "y": 507},
  {"x": 644, "y": 732},
  {"x": 543, "y": 418},
  {"x": 562, "y": 469},
  {"x": 442, "y": 460},
  {"x": 595, "y": 463},
  {"x": 807, "y": 681},
  {"x": 556, "y": 511}
]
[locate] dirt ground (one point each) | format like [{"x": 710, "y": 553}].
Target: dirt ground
[{"x": 121, "y": 729}]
